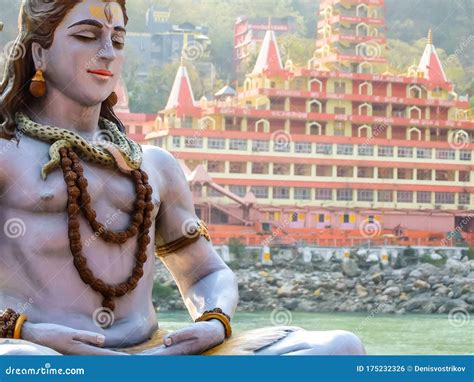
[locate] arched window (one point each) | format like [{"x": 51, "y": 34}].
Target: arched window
[
  {"x": 314, "y": 106},
  {"x": 262, "y": 126}
]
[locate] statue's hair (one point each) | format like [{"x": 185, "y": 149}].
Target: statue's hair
[{"x": 37, "y": 22}]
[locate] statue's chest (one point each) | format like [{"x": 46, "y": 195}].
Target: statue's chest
[{"x": 108, "y": 189}]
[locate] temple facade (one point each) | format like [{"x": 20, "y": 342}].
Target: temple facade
[{"x": 338, "y": 152}]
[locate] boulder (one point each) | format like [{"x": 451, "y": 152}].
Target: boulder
[
  {"x": 361, "y": 291},
  {"x": 420, "y": 284},
  {"x": 392, "y": 291},
  {"x": 350, "y": 268}
]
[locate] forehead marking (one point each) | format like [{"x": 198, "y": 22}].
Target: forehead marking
[{"x": 107, "y": 12}]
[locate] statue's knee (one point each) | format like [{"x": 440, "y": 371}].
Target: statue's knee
[
  {"x": 347, "y": 343},
  {"x": 15, "y": 347}
]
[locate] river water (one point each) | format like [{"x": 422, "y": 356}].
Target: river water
[{"x": 381, "y": 334}]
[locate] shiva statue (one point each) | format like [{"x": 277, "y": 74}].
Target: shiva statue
[{"x": 62, "y": 183}]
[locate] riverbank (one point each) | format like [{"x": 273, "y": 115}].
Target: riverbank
[{"x": 355, "y": 282}]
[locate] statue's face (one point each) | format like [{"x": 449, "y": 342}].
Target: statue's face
[{"x": 86, "y": 57}]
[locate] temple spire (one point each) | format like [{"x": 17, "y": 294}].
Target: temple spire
[
  {"x": 269, "y": 60},
  {"x": 181, "y": 96},
  {"x": 430, "y": 64}
]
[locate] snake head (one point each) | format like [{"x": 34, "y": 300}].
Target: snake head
[{"x": 44, "y": 174}]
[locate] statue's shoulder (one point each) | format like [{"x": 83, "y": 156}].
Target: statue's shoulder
[
  {"x": 165, "y": 164},
  {"x": 159, "y": 157}
]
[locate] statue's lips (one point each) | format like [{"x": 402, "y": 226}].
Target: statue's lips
[{"x": 101, "y": 72}]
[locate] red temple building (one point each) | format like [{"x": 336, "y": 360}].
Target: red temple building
[{"x": 335, "y": 153}]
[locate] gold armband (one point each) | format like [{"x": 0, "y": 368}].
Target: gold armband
[
  {"x": 218, "y": 314},
  {"x": 189, "y": 238}
]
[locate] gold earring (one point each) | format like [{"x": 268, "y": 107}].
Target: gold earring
[{"x": 38, "y": 84}]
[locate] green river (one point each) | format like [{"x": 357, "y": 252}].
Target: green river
[{"x": 382, "y": 334}]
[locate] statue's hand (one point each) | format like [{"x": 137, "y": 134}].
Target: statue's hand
[
  {"x": 193, "y": 339},
  {"x": 65, "y": 340}
]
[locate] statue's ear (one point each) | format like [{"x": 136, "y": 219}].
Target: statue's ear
[{"x": 39, "y": 55}]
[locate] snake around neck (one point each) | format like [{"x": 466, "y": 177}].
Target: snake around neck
[{"x": 111, "y": 148}]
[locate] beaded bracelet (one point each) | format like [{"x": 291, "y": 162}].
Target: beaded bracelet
[
  {"x": 218, "y": 314},
  {"x": 11, "y": 323}
]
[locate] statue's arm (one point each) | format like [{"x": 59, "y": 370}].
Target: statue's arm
[
  {"x": 204, "y": 280},
  {"x": 4, "y": 146}
]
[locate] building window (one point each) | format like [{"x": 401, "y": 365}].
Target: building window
[
  {"x": 444, "y": 175},
  {"x": 464, "y": 176},
  {"x": 404, "y": 173},
  {"x": 365, "y": 195},
  {"x": 365, "y": 172},
  {"x": 346, "y": 218},
  {"x": 216, "y": 143},
  {"x": 281, "y": 192},
  {"x": 448, "y": 154},
  {"x": 405, "y": 152},
  {"x": 344, "y": 194},
  {"x": 260, "y": 168},
  {"x": 464, "y": 198},
  {"x": 260, "y": 192},
  {"x": 385, "y": 173},
  {"x": 302, "y": 169},
  {"x": 259, "y": 145},
  {"x": 322, "y": 170},
  {"x": 365, "y": 150},
  {"x": 339, "y": 128},
  {"x": 176, "y": 142},
  {"x": 281, "y": 146},
  {"x": 323, "y": 194},
  {"x": 238, "y": 144},
  {"x": 422, "y": 174},
  {"x": 324, "y": 148},
  {"x": 385, "y": 151},
  {"x": 303, "y": 147},
  {"x": 339, "y": 87},
  {"x": 444, "y": 197},
  {"x": 238, "y": 167},
  {"x": 187, "y": 122},
  {"x": 345, "y": 171},
  {"x": 321, "y": 218},
  {"x": 345, "y": 149},
  {"x": 423, "y": 197},
  {"x": 405, "y": 196},
  {"x": 465, "y": 155},
  {"x": 281, "y": 169},
  {"x": 238, "y": 190},
  {"x": 302, "y": 193},
  {"x": 423, "y": 153},
  {"x": 212, "y": 192},
  {"x": 193, "y": 143},
  {"x": 385, "y": 196},
  {"x": 215, "y": 166}
]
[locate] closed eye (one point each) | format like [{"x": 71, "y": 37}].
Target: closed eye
[
  {"x": 118, "y": 41},
  {"x": 85, "y": 37}
]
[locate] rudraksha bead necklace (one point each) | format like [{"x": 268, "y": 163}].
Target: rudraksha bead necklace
[{"x": 77, "y": 191}]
